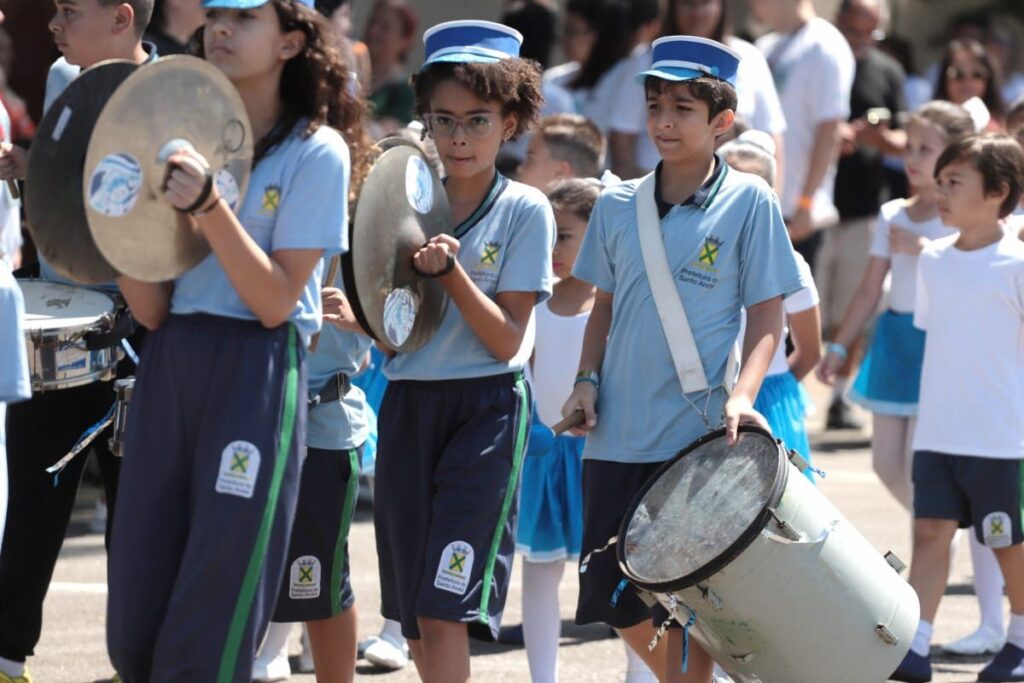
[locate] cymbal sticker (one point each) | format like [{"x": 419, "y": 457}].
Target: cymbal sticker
[
  {"x": 419, "y": 185},
  {"x": 115, "y": 184},
  {"x": 227, "y": 186},
  {"x": 399, "y": 316}
]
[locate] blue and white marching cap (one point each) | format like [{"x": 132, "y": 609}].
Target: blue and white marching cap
[
  {"x": 683, "y": 58},
  {"x": 460, "y": 42}
]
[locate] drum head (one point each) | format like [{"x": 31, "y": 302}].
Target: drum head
[
  {"x": 53, "y": 306},
  {"x": 701, "y": 510}
]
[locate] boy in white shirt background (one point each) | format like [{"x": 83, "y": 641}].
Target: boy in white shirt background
[{"x": 969, "y": 441}]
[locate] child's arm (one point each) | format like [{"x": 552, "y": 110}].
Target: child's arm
[
  {"x": 149, "y": 302},
  {"x": 805, "y": 330},
  {"x": 595, "y": 341},
  {"x": 764, "y": 320},
  {"x": 862, "y": 307},
  {"x": 500, "y": 325},
  {"x": 269, "y": 284}
]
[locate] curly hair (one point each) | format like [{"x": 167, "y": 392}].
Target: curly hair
[
  {"x": 316, "y": 84},
  {"x": 515, "y": 83}
]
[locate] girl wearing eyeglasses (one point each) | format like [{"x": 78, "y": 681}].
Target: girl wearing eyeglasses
[
  {"x": 454, "y": 420},
  {"x": 967, "y": 70}
]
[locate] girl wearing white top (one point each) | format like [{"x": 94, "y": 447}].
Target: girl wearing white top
[
  {"x": 551, "y": 498},
  {"x": 889, "y": 378},
  {"x": 782, "y": 399}
]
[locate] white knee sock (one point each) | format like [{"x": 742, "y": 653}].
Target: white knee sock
[
  {"x": 988, "y": 584},
  {"x": 637, "y": 670},
  {"x": 12, "y": 668},
  {"x": 542, "y": 618},
  {"x": 922, "y": 643},
  {"x": 276, "y": 642},
  {"x": 392, "y": 632},
  {"x": 1015, "y": 634}
]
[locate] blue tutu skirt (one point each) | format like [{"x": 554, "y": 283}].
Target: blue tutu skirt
[
  {"x": 889, "y": 380},
  {"x": 783, "y": 401},
  {"x": 551, "y": 498}
]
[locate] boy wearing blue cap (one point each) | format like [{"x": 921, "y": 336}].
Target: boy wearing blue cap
[
  {"x": 454, "y": 419},
  {"x": 727, "y": 249}
]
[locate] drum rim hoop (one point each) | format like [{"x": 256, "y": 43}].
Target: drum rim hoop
[{"x": 726, "y": 557}]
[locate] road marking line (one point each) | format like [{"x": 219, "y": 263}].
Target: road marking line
[{"x": 74, "y": 587}]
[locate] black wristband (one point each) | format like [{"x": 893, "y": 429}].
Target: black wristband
[
  {"x": 204, "y": 196},
  {"x": 449, "y": 267}
]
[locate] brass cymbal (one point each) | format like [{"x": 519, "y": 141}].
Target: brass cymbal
[
  {"x": 402, "y": 205},
  {"x": 53, "y": 184},
  {"x": 173, "y": 103}
]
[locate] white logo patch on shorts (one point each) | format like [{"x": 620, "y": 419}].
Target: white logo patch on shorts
[
  {"x": 239, "y": 465},
  {"x": 455, "y": 568},
  {"x": 998, "y": 530},
  {"x": 305, "y": 579}
]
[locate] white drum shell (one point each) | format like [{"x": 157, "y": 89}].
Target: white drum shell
[
  {"x": 58, "y": 317},
  {"x": 827, "y": 607}
]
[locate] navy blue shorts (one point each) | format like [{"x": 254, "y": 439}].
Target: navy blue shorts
[
  {"x": 608, "y": 489},
  {"x": 316, "y": 580},
  {"x": 448, "y": 464},
  {"x": 206, "y": 499},
  {"x": 981, "y": 492}
]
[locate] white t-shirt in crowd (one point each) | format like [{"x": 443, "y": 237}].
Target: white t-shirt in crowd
[
  {"x": 903, "y": 267},
  {"x": 595, "y": 103},
  {"x": 971, "y": 304},
  {"x": 556, "y": 357},
  {"x": 10, "y": 214},
  {"x": 758, "y": 103},
  {"x": 797, "y": 302},
  {"x": 813, "y": 71}
]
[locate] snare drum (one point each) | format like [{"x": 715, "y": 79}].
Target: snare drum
[
  {"x": 58, "y": 320},
  {"x": 780, "y": 587},
  {"x": 123, "y": 388}
]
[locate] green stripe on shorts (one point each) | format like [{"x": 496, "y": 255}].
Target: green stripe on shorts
[
  {"x": 510, "y": 494},
  {"x": 286, "y": 432},
  {"x": 348, "y": 511}
]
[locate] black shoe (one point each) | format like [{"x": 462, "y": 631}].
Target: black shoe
[
  {"x": 840, "y": 416},
  {"x": 511, "y": 635}
]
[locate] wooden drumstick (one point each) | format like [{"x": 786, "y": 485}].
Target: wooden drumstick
[
  {"x": 575, "y": 420},
  {"x": 332, "y": 272}
]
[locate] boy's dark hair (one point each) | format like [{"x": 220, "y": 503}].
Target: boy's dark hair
[
  {"x": 998, "y": 158},
  {"x": 515, "y": 83},
  {"x": 719, "y": 95},
  {"x": 576, "y": 196},
  {"x": 574, "y": 139},
  {"x": 952, "y": 119},
  {"x": 143, "y": 11}
]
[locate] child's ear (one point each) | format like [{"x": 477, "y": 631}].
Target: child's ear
[
  {"x": 124, "y": 18},
  {"x": 294, "y": 43},
  {"x": 723, "y": 121},
  {"x": 509, "y": 126}
]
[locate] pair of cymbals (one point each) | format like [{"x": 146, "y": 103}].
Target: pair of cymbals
[
  {"x": 402, "y": 205},
  {"x": 94, "y": 190}
]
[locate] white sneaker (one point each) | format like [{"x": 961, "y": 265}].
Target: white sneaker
[
  {"x": 306, "y": 665},
  {"x": 271, "y": 669},
  {"x": 386, "y": 654},
  {"x": 981, "y": 642}
]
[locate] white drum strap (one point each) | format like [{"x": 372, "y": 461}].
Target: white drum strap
[{"x": 674, "y": 323}]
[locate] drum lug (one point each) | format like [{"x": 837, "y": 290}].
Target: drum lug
[
  {"x": 895, "y": 562},
  {"x": 710, "y": 596},
  {"x": 785, "y": 529},
  {"x": 886, "y": 635}
]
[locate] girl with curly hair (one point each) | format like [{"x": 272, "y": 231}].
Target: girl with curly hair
[
  {"x": 219, "y": 410},
  {"x": 456, "y": 413}
]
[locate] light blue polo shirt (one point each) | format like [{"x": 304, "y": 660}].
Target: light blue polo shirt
[
  {"x": 14, "y": 379},
  {"x": 505, "y": 246},
  {"x": 296, "y": 200},
  {"x": 338, "y": 425},
  {"x": 728, "y": 249}
]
